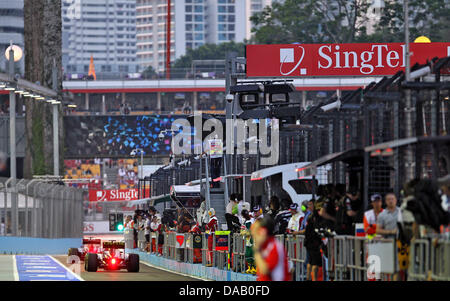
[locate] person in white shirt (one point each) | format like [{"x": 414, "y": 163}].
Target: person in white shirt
[
  {"x": 231, "y": 214},
  {"x": 294, "y": 222},
  {"x": 242, "y": 206},
  {"x": 147, "y": 230}
]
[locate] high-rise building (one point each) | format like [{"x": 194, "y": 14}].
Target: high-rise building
[
  {"x": 151, "y": 28},
  {"x": 11, "y": 30},
  {"x": 103, "y": 29},
  {"x": 252, "y": 7},
  {"x": 194, "y": 23}
]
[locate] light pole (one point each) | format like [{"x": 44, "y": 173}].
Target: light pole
[
  {"x": 161, "y": 138},
  {"x": 13, "y": 54},
  {"x": 408, "y": 104},
  {"x": 55, "y": 114}
]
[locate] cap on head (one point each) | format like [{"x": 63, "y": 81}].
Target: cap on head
[
  {"x": 211, "y": 212},
  {"x": 293, "y": 206},
  {"x": 304, "y": 206},
  {"x": 256, "y": 208},
  {"x": 375, "y": 197}
]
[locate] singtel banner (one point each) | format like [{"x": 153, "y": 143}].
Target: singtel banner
[
  {"x": 309, "y": 60},
  {"x": 115, "y": 195}
]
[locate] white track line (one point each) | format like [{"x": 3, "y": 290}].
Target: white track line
[
  {"x": 75, "y": 275},
  {"x": 170, "y": 271},
  {"x": 16, "y": 273}
]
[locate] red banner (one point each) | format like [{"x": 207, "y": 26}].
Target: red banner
[
  {"x": 115, "y": 195},
  {"x": 308, "y": 60}
]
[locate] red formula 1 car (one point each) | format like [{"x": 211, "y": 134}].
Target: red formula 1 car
[
  {"x": 112, "y": 257},
  {"x": 90, "y": 245}
]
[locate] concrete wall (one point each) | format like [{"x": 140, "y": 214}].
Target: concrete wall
[{"x": 30, "y": 245}]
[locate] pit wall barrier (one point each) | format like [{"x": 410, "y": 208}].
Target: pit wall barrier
[
  {"x": 37, "y": 246},
  {"x": 196, "y": 270}
]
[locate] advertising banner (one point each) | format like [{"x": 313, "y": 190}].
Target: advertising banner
[
  {"x": 180, "y": 241},
  {"x": 114, "y": 195},
  {"x": 96, "y": 227},
  {"x": 363, "y": 59},
  {"x": 222, "y": 238}
]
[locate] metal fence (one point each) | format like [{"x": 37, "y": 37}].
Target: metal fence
[
  {"x": 344, "y": 258},
  {"x": 33, "y": 208}
]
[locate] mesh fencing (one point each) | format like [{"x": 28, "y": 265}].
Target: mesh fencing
[{"x": 33, "y": 208}]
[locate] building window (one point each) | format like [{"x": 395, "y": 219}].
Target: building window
[
  {"x": 222, "y": 18},
  {"x": 198, "y": 18},
  {"x": 188, "y": 18},
  {"x": 188, "y": 27},
  {"x": 222, "y": 9},
  {"x": 188, "y": 8}
]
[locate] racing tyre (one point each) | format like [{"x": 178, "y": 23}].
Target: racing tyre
[
  {"x": 133, "y": 263},
  {"x": 91, "y": 264}
]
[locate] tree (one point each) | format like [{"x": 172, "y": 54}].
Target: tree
[
  {"x": 43, "y": 40},
  {"x": 426, "y": 17},
  {"x": 308, "y": 21},
  {"x": 208, "y": 52},
  {"x": 149, "y": 72}
]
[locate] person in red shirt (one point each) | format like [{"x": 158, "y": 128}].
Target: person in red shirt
[
  {"x": 270, "y": 255},
  {"x": 211, "y": 228}
]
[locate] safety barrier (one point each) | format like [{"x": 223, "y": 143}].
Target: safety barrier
[
  {"x": 141, "y": 240},
  {"x": 238, "y": 253},
  {"x": 357, "y": 251},
  {"x": 419, "y": 263},
  {"x": 297, "y": 254},
  {"x": 345, "y": 258},
  {"x": 35, "y": 208},
  {"x": 440, "y": 265}
]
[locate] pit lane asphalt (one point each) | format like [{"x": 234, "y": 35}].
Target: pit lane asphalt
[{"x": 146, "y": 273}]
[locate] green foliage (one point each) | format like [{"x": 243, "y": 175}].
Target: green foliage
[
  {"x": 149, "y": 72},
  {"x": 426, "y": 17},
  {"x": 209, "y": 52},
  {"x": 343, "y": 21},
  {"x": 37, "y": 148},
  {"x": 308, "y": 21}
]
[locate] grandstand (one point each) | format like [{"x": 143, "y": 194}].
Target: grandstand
[{"x": 112, "y": 173}]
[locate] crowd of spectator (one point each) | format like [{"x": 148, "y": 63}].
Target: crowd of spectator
[{"x": 127, "y": 173}]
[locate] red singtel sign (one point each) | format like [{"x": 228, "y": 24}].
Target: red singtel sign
[
  {"x": 114, "y": 195},
  {"x": 309, "y": 60}
]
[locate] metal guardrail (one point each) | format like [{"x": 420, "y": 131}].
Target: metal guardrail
[
  {"x": 345, "y": 258},
  {"x": 440, "y": 263},
  {"x": 34, "y": 208}
]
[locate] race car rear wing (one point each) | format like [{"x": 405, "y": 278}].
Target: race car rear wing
[
  {"x": 114, "y": 245},
  {"x": 91, "y": 241}
]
